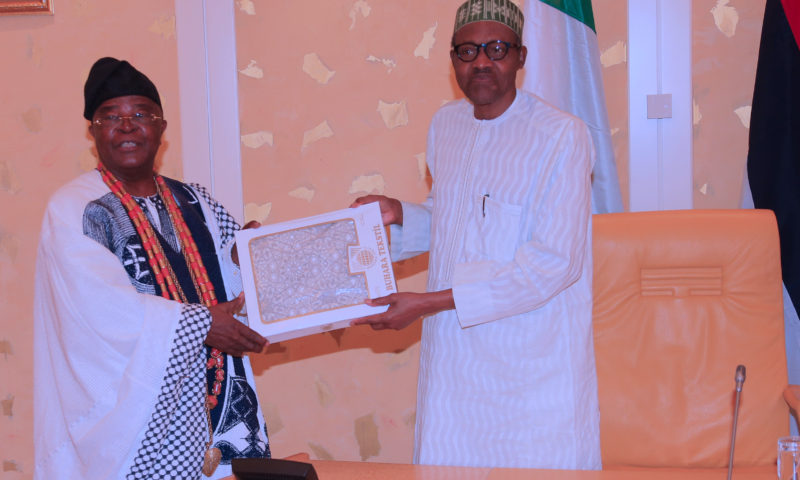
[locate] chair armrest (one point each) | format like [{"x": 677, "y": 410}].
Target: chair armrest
[{"x": 791, "y": 394}]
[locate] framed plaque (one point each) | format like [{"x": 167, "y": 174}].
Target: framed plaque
[{"x": 313, "y": 274}]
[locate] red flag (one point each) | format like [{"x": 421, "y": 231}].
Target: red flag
[{"x": 791, "y": 8}]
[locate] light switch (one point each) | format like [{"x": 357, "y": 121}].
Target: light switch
[{"x": 659, "y": 106}]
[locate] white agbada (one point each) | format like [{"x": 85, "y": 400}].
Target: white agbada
[
  {"x": 508, "y": 378},
  {"x": 102, "y": 352}
]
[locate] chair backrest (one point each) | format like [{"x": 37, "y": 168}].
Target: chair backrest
[{"x": 680, "y": 299}]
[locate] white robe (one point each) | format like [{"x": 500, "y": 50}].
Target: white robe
[
  {"x": 507, "y": 379},
  {"x": 102, "y": 350}
]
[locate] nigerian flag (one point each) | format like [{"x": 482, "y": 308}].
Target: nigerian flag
[{"x": 563, "y": 68}]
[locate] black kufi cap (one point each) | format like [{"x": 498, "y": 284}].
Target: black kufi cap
[{"x": 111, "y": 78}]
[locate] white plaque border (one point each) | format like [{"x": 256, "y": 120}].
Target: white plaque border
[{"x": 367, "y": 219}]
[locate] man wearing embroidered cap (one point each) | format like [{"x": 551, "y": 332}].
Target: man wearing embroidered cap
[
  {"x": 138, "y": 371},
  {"x": 507, "y": 375}
]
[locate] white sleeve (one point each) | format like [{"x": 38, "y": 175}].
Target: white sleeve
[
  {"x": 414, "y": 236},
  {"x": 103, "y": 352}
]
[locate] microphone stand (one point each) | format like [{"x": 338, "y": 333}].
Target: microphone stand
[{"x": 740, "y": 375}]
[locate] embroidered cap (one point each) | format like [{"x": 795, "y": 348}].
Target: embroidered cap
[
  {"x": 110, "y": 78},
  {"x": 502, "y": 11}
]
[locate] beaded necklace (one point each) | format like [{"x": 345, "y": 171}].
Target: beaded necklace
[{"x": 168, "y": 283}]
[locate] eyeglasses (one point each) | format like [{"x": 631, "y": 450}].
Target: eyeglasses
[
  {"x": 495, "y": 50},
  {"x": 141, "y": 119}
]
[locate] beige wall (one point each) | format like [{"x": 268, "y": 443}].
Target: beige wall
[
  {"x": 45, "y": 60},
  {"x": 352, "y": 122},
  {"x": 725, "y": 39}
]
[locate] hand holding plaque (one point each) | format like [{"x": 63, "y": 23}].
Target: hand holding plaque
[{"x": 313, "y": 274}]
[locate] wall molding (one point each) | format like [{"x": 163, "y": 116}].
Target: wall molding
[
  {"x": 660, "y": 62},
  {"x": 209, "y": 99}
]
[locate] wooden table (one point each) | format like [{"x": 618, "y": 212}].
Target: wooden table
[{"x": 333, "y": 470}]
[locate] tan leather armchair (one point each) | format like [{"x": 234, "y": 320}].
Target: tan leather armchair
[{"x": 680, "y": 299}]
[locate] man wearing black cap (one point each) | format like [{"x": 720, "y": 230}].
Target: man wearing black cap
[{"x": 138, "y": 368}]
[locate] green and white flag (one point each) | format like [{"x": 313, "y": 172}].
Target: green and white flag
[{"x": 563, "y": 68}]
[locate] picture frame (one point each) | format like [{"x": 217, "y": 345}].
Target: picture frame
[{"x": 26, "y": 7}]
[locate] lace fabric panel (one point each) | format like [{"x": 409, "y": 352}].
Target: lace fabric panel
[{"x": 305, "y": 270}]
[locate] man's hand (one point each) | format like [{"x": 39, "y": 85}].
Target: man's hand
[
  {"x": 230, "y": 335},
  {"x": 405, "y": 308},
  {"x": 391, "y": 208},
  {"x": 234, "y": 251}
]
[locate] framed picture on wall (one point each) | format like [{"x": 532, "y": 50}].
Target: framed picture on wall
[{"x": 26, "y": 7}]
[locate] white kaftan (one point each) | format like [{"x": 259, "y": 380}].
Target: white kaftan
[
  {"x": 508, "y": 378},
  {"x": 120, "y": 375}
]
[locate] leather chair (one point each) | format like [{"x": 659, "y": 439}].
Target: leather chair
[{"x": 680, "y": 299}]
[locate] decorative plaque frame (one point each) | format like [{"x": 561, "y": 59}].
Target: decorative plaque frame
[{"x": 313, "y": 274}]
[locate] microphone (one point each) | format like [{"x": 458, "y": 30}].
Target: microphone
[
  {"x": 739, "y": 377},
  {"x": 740, "y": 374}
]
